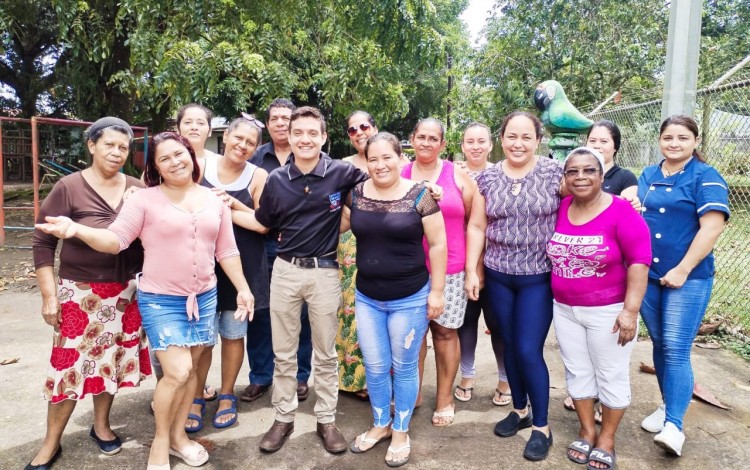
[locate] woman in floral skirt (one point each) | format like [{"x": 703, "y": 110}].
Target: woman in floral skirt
[
  {"x": 360, "y": 127},
  {"x": 98, "y": 342}
]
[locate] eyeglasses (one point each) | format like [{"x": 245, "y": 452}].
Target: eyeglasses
[
  {"x": 588, "y": 171},
  {"x": 253, "y": 120},
  {"x": 364, "y": 127}
]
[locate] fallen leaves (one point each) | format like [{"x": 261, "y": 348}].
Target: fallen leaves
[
  {"x": 6, "y": 362},
  {"x": 699, "y": 391},
  {"x": 704, "y": 395}
]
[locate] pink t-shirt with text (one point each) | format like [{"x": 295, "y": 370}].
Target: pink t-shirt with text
[{"x": 590, "y": 261}]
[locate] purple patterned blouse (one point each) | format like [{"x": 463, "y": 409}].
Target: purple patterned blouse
[{"x": 521, "y": 217}]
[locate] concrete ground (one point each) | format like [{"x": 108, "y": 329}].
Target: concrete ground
[{"x": 715, "y": 438}]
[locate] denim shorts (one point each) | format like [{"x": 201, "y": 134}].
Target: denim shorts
[
  {"x": 166, "y": 322},
  {"x": 228, "y": 327}
]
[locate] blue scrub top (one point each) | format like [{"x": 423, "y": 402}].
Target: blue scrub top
[{"x": 672, "y": 207}]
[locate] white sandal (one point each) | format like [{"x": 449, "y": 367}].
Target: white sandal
[
  {"x": 501, "y": 398},
  {"x": 392, "y": 451},
  {"x": 195, "y": 455},
  {"x": 356, "y": 445}
]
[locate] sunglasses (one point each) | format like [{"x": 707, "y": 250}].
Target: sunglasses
[
  {"x": 588, "y": 171},
  {"x": 364, "y": 127},
  {"x": 253, "y": 120}
]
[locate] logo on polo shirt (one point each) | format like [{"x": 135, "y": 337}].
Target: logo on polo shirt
[{"x": 335, "y": 201}]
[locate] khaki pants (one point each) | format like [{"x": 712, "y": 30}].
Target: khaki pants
[{"x": 320, "y": 288}]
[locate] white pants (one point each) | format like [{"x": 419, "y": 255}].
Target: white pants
[{"x": 595, "y": 365}]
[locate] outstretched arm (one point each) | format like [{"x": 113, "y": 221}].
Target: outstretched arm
[{"x": 100, "y": 239}]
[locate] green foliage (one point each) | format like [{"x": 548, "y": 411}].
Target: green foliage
[
  {"x": 591, "y": 48},
  {"x": 29, "y": 55},
  {"x": 238, "y": 55}
]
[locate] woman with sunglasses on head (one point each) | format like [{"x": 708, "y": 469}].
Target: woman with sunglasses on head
[
  {"x": 428, "y": 140},
  {"x": 360, "y": 127},
  {"x": 476, "y": 144},
  {"x": 685, "y": 204},
  {"x": 600, "y": 253},
  {"x": 184, "y": 228},
  {"x": 515, "y": 213},
  {"x": 240, "y": 184}
]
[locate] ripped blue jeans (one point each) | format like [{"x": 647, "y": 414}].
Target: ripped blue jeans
[{"x": 390, "y": 335}]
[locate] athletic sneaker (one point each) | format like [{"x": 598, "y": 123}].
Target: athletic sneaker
[
  {"x": 655, "y": 421},
  {"x": 670, "y": 439}
]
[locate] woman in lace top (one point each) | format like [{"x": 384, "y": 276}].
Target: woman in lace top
[{"x": 395, "y": 296}]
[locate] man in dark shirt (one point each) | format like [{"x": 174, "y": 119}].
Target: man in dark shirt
[
  {"x": 270, "y": 156},
  {"x": 303, "y": 201}
]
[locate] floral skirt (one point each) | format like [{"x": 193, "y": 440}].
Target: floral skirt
[
  {"x": 100, "y": 345},
  {"x": 351, "y": 364}
]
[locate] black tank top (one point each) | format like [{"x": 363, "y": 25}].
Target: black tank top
[{"x": 249, "y": 243}]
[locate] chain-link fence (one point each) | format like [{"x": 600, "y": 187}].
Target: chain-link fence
[{"x": 723, "y": 113}]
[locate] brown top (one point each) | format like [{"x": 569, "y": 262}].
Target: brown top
[{"x": 73, "y": 197}]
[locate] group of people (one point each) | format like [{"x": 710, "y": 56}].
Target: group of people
[{"x": 284, "y": 251}]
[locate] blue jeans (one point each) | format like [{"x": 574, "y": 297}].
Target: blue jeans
[
  {"x": 259, "y": 346},
  {"x": 522, "y": 306},
  {"x": 390, "y": 336},
  {"x": 673, "y": 317}
]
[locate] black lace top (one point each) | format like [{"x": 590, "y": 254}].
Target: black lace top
[{"x": 390, "y": 257}]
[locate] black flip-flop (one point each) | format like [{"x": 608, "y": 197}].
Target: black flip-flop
[{"x": 212, "y": 397}]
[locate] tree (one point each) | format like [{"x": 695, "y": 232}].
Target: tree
[
  {"x": 31, "y": 53},
  {"x": 591, "y": 47}
]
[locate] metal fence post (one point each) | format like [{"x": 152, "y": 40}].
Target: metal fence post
[{"x": 683, "y": 47}]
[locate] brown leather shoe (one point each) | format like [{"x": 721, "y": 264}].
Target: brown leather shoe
[
  {"x": 274, "y": 439},
  {"x": 333, "y": 441},
  {"x": 253, "y": 392},
  {"x": 303, "y": 390}
]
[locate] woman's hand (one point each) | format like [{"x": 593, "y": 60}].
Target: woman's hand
[
  {"x": 61, "y": 227},
  {"x": 435, "y": 304},
  {"x": 51, "y": 310},
  {"x": 245, "y": 305},
  {"x": 435, "y": 190},
  {"x": 634, "y": 201},
  {"x": 225, "y": 198},
  {"x": 626, "y": 324},
  {"x": 675, "y": 277},
  {"x": 472, "y": 285}
]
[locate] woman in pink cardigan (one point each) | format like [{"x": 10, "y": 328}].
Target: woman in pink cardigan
[{"x": 183, "y": 227}]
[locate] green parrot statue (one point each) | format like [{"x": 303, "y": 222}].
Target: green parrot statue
[{"x": 564, "y": 122}]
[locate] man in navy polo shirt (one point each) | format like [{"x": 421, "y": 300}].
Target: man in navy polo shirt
[{"x": 303, "y": 201}]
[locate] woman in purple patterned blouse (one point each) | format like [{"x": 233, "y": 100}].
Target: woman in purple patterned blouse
[{"x": 515, "y": 213}]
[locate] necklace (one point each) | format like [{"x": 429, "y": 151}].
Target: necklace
[
  {"x": 670, "y": 173},
  {"x": 515, "y": 187}
]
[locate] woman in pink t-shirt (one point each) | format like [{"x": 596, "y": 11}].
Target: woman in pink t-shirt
[
  {"x": 600, "y": 253},
  {"x": 183, "y": 227}
]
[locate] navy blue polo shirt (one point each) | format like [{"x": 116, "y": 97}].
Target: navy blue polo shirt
[
  {"x": 672, "y": 207},
  {"x": 617, "y": 179},
  {"x": 306, "y": 208},
  {"x": 265, "y": 157}
]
